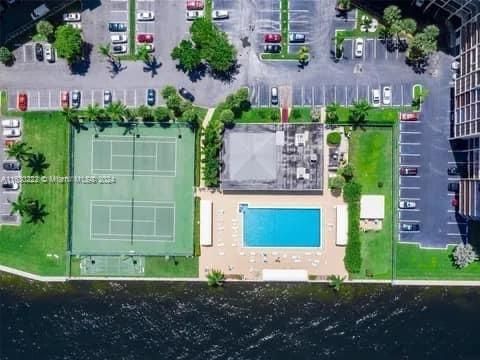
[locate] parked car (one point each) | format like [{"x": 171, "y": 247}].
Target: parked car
[
  {"x": 409, "y": 227},
  {"x": 387, "y": 95},
  {"x": 272, "y": 38},
  {"x": 409, "y": 116},
  {"x": 145, "y": 38},
  {"x": 408, "y": 171},
  {"x": 107, "y": 97},
  {"x": 76, "y": 99},
  {"x": 117, "y": 27},
  {"x": 75, "y": 16},
  {"x": 10, "y": 123},
  {"x": 11, "y": 132},
  {"x": 145, "y": 16},
  {"x": 119, "y": 49},
  {"x": 194, "y": 5},
  {"x": 274, "y": 96},
  {"x": 376, "y": 97},
  {"x": 39, "y": 51},
  {"x": 22, "y": 101},
  {"x": 405, "y": 204},
  {"x": 194, "y": 14},
  {"x": 49, "y": 53},
  {"x": 39, "y": 11},
  {"x": 296, "y": 38},
  {"x": 359, "y": 42},
  {"x": 186, "y": 94},
  {"x": 12, "y": 165},
  {"x": 452, "y": 171},
  {"x": 151, "y": 97},
  {"x": 64, "y": 99},
  {"x": 118, "y": 38},
  {"x": 453, "y": 187},
  {"x": 272, "y": 48},
  {"x": 10, "y": 186},
  {"x": 219, "y": 14}
]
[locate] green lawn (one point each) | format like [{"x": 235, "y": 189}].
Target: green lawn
[
  {"x": 159, "y": 266},
  {"x": 208, "y": 9},
  {"x": 3, "y": 102},
  {"x": 259, "y": 115},
  {"x": 370, "y": 153},
  {"x": 387, "y": 115},
  {"x": 300, "y": 114},
  {"x": 26, "y": 247},
  {"x": 415, "y": 263}
]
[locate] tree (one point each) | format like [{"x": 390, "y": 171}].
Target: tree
[
  {"x": 352, "y": 192},
  {"x": 215, "y": 278},
  {"x": 347, "y": 172},
  {"x": 227, "y": 117},
  {"x": 332, "y": 112},
  {"x": 336, "y": 183},
  {"x": 185, "y": 106},
  {"x": 173, "y": 103},
  {"x": 190, "y": 116},
  {"x": 303, "y": 55},
  {"x": 168, "y": 91},
  {"x": 431, "y": 32},
  {"x": 275, "y": 115},
  {"x": 93, "y": 113},
  {"x": 464, "y": 255},
  {"x": 19, "y": 150},
  {"x": 336, "y": 281},
  {"x": 6, "y": 55},
  {"x": 145, "y": 113},
  {"x": 238, "y": 101},
  {"x": 37, "y": 164},
  {"x": 188, "y": 56},
  {"x": 143, "y": 54},
  {"x": 343, "y": 5},
  {"x": 409, "y": 26},
  {"x": 45, "y": 29},
  {"x": 359, "y": 111},
  {"x": 36, "y": 211},
  {"x": 423, "y": 44},
  {"x": 334, "y": 138},
  {"x": 420, "y": 96},
  {"x": 71, "y": 115},
  {"x": 392, "y": 15},
  {"x": 162, "y": 114},
  {"x": 116, "y": 111},
  {"x": 68, "y": 43},
  {"x": 19, "y": 206}
]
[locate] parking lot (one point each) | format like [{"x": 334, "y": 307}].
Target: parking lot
[
  {"x": 374, "y": 50},
  {"x": 320, "y": 95}
]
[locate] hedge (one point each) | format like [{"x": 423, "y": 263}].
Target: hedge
[
  {"x": 352, "y": 192},
  {"x": 334, "y": 138}
]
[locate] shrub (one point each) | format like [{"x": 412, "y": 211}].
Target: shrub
[
  {"x": 334, "y": 138},
  {"x": 336, "y": 183},
  {"x": 227, "y": 117},
  {"x": 296, "y": 114},
  {"x": 352, "y": 192},
  {"x": 464, "y": 255},
  {"x": 161, "y": 114},
  {"x": 168, "y": 91},
  {"x": 353, "y": 256},
  {"x": 275, "y": 115},
  {"x": 347, "y": 172},
  {"x": 212, "y": 143}
]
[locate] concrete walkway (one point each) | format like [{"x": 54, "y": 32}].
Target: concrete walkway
[{"x": 32, "y": 276}]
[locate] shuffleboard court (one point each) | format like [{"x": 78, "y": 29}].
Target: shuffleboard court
[{"x": 148, "y": 207}]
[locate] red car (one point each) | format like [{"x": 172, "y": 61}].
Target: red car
[
  {"x": 409, "y": 116},
  {"x": 64, "y": 99},
  {"x": 194, "y": 5},
  {"x": 272, "y": 38},
  {"x": 22, "y": 102},
  {"x": 145, "y": 38}
]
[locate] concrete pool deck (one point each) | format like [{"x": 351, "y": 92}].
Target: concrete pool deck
[{"x": 228, "y": 254}]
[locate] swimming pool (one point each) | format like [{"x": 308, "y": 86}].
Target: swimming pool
[{"x": 281, "y": 227}]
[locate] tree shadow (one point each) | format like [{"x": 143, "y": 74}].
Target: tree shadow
[
  {"x": 152, "y": 66},
  {"x": 129, "y": 127},
  {"x": 81, "y": 66},
  {"x": 115, "y": 67},
  {"x": 226, "y": 76},
  {"x": 38, "y": 164},
  {"x": 165, "y": 124},
  {"x": 245, "y": 42}
]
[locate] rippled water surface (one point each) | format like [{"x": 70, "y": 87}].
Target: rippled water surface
[{"x": 84, "y": 320}]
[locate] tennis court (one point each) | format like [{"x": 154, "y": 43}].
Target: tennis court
[{"x": 148, "y": 207}]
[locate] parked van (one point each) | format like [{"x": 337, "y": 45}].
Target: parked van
[{"x": 39, "y": 12}]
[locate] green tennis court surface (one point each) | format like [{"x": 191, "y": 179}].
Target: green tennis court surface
[
  {"x": 148, "y": 209},
  {"x": 108, "y": 265}
]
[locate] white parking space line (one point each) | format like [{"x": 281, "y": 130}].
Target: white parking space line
[
  {"x": 346, "y": 96},
  {"x": 409, "y": 187},
  {"x": 408, "y": 232},
  {"x": 324, "y": 96},
  {"x": 414, "y": 155},
  {"x": 451, "y": 211},
  {"x": 410, "y": 221},
  {"x": 456, "y": 223},
  {"x": 135, "y": 98},
  {"x": 401, "y": 89},
  {"x": 455, "y": 234},
  {"x": 407, "y": 198},
  {"x": 414, "y": 144},
  {"x": 124, "y": 96},
  {"x": 411, "y": 132},
  {"x": 408, "y": 210},
  {"x": 49, "y": 99}
]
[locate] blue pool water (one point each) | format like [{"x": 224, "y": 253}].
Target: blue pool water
[{"x": 281, "y": 227}]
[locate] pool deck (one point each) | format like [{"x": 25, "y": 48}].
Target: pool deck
[{"x": 228, "y": 254}]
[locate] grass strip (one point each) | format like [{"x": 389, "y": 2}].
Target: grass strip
[
  {"x": 3, "y": 103},
  {"x": 208, "y": 9},
  {"x": 132, "y": 27}
]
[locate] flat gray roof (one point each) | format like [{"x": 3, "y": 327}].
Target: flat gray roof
[{"x": 272, "y": 157}]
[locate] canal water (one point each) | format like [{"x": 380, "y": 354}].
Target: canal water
[{"x": 114, "y": 320}]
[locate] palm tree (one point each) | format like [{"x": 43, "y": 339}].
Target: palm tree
[
  {"x": 105, "y": 50},
  {"x": 71, "y": 115},
  {"x": 332, "y": 112},
  {"x": 336, "y": 281},
  {"x": 94, "y": 112},
  {"x": 19, "y": 151},
  {"x": 36, "y": 211},
  {"x": 359, "y": 111},
  {"x": 303, "y": 55},
  {"x": 145, "y": 113},
  {"x": 20, "y": 206},
  {"x": 37, "y": 164},
  {"x": 343, "y": 5},
  {"x": 215, "y": 278},
  {"x": 116, "y": 111},
  {"x": 143, "y": 54}
]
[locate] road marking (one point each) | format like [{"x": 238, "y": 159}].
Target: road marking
[
  {"x": 455, "y": 234},
  {"x": 406, "y": 143},
  {"x": 335, "y": 92},
  {"x": 124, "y": 96},
  {"x": 410, "y": 132},
  {"x": 408, "y": 210},
  {"x": 135, "y": 97},
  {"x": 455, "y": 223},
  {"x": 451, "y": 211},
  {"x": 324, "y": 96},
  {"x": 357, "y": 93},
  {"x": 409, "y": 188},
  {"x": 49, "y": 99},
  {"x": 408, "y": 232},
  {"x": 375, "y": 48},
  {"x": 409, "y": 154},
  {"x": 24, "y": 54},
  {"x": 411, "y": 221},
  {"x": 406, "y": 198},
  {"x": 401, "y": 88}
]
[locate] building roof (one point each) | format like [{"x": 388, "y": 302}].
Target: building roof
[
  {"x": 272, "y": 157},
  {"x": 372, "y": 207}
]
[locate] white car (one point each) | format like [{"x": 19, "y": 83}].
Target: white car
[
  {"x": 219, "y": 14},
  {"x": 376, "y": 97},
  {"x": 11, "y": 132},
  {"x": 10, "y": 123},
  {"x": 195, "y": 14},
  {"x": 387, "y": 95},
  {"x": 49, "y": 53},
  {"x": 118, "y": 38},
  {"x": 407, "y": 204},
  {"x": 359, "y": 47},
  {"x": 145, "y": 16},
  {"x": 72, "y": 16}
]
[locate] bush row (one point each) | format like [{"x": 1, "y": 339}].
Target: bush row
[{"x": 352, "y": 192}]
